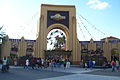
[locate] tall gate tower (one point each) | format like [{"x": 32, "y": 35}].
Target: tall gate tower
[{"x": 61, "y": 17}]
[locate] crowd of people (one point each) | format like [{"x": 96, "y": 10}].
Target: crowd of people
[
  {"x": 35, "y": 63},
  {"x": 114, "y": 65},
  {"x": 88, "y": 64}
]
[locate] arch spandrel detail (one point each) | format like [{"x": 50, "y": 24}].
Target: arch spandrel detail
[{"x": 59, "y": 26}]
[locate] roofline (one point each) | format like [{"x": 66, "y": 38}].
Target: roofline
[
  {"x": 52, "y": 5},
  {"x": 110, "y": 37}
]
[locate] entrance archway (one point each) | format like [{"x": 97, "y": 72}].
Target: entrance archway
[
  {"x": 64, "y": 29},
  {"x": 58, "y": 51},
  {"x": 58, "y": 17}
]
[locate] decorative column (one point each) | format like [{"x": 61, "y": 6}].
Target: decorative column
[{"x": 75, "y": 44}]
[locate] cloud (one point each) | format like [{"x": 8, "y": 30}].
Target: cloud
[
  {"x": 90, "y": 2},
  {"x": 97, "y": 4}
]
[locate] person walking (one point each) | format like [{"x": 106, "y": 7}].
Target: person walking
[
  {"x": 113, "y": 65},
  {"x": 93, "y": 62},
  {"x": 90, "y": 64},
  {"x": 64, "y": 64},
  {"x": 86, "y": 66},
  {"x": 27, "y": 63},
  {"x": 104, "y": 65},
  {"x": 68, "y": 64},
  {"x": 33, "y": 63},
  {"x": 5, "y": 65},
  {"x": 15, "y": 61},
  {"x": 117, "y": 64}
]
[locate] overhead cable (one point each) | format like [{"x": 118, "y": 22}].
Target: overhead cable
[
  {"x": 92, "y": 25},
  {"x": 86, "y": 29},
  {"x": 81, "y": 31}
]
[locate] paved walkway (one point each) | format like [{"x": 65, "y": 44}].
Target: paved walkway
[
  {"x": 73, "y": 69},
  {"x": 83, "y": 77},
  {"x": 81, "y": 74},
  {"x": 77, "y": 70}
]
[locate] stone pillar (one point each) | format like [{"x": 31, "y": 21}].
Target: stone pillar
[
  {"x": 107, "y": 50},
  {"x": 6, "y": 47},
  {"x": 22, "y": 47},
  {"x": 75, "y": 45}
]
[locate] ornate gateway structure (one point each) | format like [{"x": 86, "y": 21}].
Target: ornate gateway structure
[{"x": 62, "y": 17}]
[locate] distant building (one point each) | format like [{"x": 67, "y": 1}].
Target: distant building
[
  {"x": 108, "y": 48},
  {"x": 17, "y": 47}
]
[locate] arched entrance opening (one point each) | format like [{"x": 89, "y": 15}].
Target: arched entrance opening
[
  {"x": 57, "y": 43},
  {"x": 56, "y": 39},
  {"x": 115, "y": 54}
]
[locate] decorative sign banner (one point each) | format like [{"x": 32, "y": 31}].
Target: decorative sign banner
[
  {"x": 58, "y": 17},
  {"x": 14, "y": 47},
  {"x": 29, "y": 49},
  {"x": 99, "y": 44},
  {"x": 84, "y": 51},
  {"x": 84, "y": 46}
]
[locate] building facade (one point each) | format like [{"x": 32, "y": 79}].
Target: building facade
[
  {"x": 62, "y": 17},
  {"x": 108, "y": 48},
  {"x": 17, "y": 47}
]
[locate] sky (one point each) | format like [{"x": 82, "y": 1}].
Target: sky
[{"x": 100, "y": 17}]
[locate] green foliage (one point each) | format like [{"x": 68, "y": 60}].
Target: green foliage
[
  {"x": 13, "y": 55},
  {"x": 60, "y": 41},
  {"x": 2, "y": 34},
  {"x": 115, "y": 51},
  {"x": 28, "y": 56}
]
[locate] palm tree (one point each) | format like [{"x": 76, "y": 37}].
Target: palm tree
[
  {"x": 2, "y": 35},
  {"x": 60, "y": 41}
]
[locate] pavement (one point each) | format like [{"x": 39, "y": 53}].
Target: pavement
[
  {"x": 72, "y": 73},
  {"x": 82, "y": 77}
]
